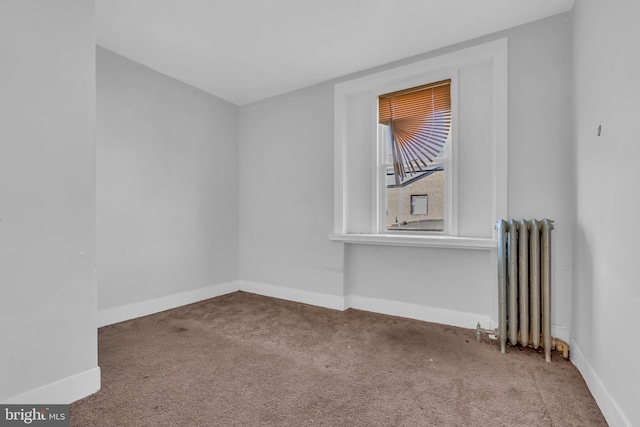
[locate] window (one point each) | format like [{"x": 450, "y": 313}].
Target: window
[
  {"x": 467, "y": 163},
  {"x": 419, "y": 204},
  {"x": 414, "y": 125}
]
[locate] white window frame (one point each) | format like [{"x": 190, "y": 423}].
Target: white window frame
[
  {"x": 353, "y": 197},
  {"x": 448, "y": 161}
]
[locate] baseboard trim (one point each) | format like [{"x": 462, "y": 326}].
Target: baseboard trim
[
  {"x": 335, "y": 302},
  {"x": 418, "y": 312},
  {"x": 63, "y": 392},
  {"x": 610, "y": 409},
  {"x": 131, "y": 311},
  {"x": 394, "y": 308}
]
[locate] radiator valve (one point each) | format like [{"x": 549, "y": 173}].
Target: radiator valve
[{"x": 479, "y": 331}]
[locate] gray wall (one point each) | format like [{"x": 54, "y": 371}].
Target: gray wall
[
  {"x": 167, "y": 170},
  {"x": 606, "y": 311},
  {"x": 286, "y": 192},
  {"x": 47, "y": 196},
  {"x": 286, "y": 147}
]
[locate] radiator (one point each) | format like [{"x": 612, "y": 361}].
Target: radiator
[{"x": 524, "y": 283}]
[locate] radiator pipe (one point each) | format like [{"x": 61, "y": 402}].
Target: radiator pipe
[
  {"x": 512, "y": 276},
  {"x": 547, "y": 226},
  {"x": 559, "y": 345},
  {"x": 501, "y": 227},
  {"x": 534, "y": 281},
  {"x": 523, "y": 278}
]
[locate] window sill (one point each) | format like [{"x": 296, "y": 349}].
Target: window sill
[{"x": 429, "y": 241}]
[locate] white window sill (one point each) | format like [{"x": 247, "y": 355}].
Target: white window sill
[{"x": 429, "y": 241}]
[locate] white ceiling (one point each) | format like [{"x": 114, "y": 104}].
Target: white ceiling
[{"x": 247, "y": 50}]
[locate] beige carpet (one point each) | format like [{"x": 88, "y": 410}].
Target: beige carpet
[{"x": 248, "y": 360}]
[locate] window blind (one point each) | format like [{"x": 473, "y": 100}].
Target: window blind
[{"x": 419, "y": 121}]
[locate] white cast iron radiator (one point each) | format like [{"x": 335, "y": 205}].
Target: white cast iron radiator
[{"x": 524, "y": 284}]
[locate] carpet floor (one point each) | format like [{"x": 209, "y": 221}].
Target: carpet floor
[{"x": 248, "y": 360}]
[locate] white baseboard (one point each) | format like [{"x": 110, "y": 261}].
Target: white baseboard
[
  {"x": 131, "y": 311},
  {"x": 335, "y": 302},
  {"x": 418, "y": 312},
  {"x": 610, "y": 409},
  {"x": 394, "y": 308},
  {"x": 63, "y": 392}
]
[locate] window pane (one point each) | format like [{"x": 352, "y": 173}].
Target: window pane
[
  {"x": 418, "y": 203},
  {"x": 413, "y": 128},
  {"x": 419, "y": 120}
]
